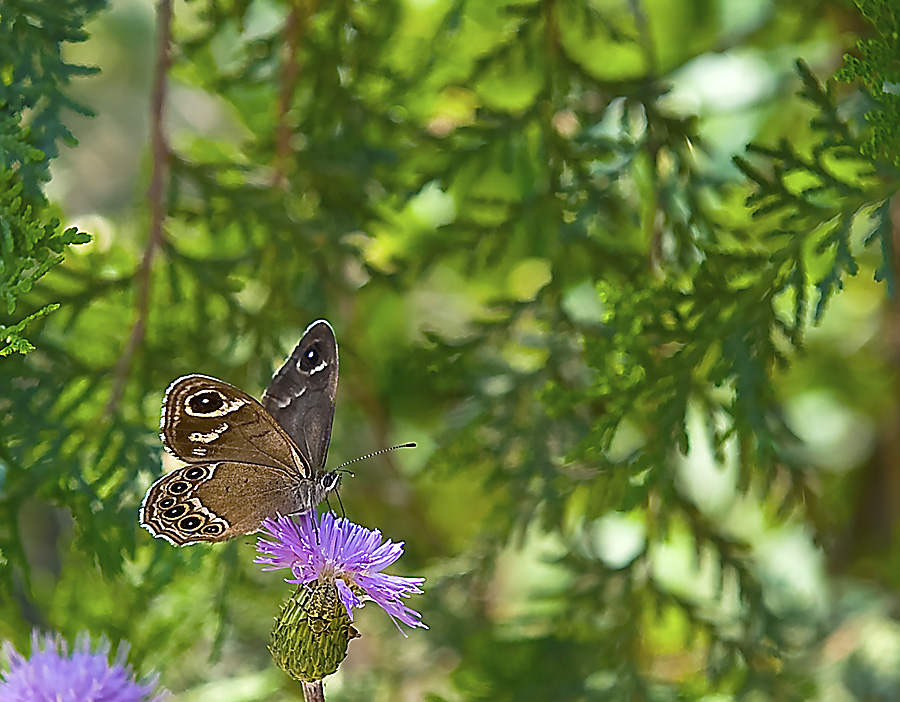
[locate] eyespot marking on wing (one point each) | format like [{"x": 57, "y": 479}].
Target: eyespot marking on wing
[
  {"x": 311, "y": 361},
  {"x": 211, "y": 403},
  {"x": 169, "y": 511}
]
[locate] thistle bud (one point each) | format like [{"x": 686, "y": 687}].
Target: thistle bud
[{"x": 311, "y": 635}]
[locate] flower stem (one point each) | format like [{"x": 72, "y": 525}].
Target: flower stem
[{"x": 313, "y": 691}]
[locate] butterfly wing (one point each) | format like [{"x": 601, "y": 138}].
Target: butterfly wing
[
  {"x": 301, "y": 395},
  {"x": 220, "y": 500},
  {"x": 246, "y": 461},
  {"x": 206, "y": 420}
]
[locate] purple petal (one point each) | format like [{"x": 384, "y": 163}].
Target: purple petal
[
  {"x": 287, "y": 547},
  {"x": 387, "y": 590},
  {"x": 384, "y": 555},
  {"x": 348, "y": 599}
]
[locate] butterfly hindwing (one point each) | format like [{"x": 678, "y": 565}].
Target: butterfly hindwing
[{"x": 221, "y": 500}]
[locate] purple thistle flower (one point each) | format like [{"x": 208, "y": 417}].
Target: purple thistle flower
[
  {"x": 52, "y": 674},
  {"x": 339, "y": 551}
]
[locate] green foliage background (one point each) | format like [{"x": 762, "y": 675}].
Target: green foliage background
[{"x": 624, "y": 269}]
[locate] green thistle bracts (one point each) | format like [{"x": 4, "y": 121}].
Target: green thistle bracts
[{"x": 312, "y": 633}]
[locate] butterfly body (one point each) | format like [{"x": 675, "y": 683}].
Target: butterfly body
[{"x": 246, "y": 461}]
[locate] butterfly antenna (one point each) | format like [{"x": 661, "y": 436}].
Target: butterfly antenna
[{"x": 411, "y": 444}]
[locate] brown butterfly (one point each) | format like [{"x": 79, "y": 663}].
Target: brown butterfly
[{"x": 246, "y": 460}]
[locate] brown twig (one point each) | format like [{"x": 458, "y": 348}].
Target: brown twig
[
  {"x": 313, "y": 691},
  {"x": 294, "y": 29},
  {"x": 156, "y": 200}
]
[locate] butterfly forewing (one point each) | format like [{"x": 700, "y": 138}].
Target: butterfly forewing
[
  {"x": 301, "y": 395},
  {"x": 205, "y": 419}
]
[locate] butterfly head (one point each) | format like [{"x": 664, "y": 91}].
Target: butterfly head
[{"x": 330, "y": 481}]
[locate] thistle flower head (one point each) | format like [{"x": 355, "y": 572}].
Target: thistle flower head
[
  {"x": 52, "y": 674},
  {"x": 333, "y": 549}
]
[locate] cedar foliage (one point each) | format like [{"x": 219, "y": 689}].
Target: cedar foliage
[
  {"x": 33, "y": 96},
  {"x": 539, "y": 266}
]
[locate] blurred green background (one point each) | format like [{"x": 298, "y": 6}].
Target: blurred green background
[{"x": 653, "y": 385}]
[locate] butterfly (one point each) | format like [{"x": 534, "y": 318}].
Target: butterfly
[{"x": 246, "y": 460}]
